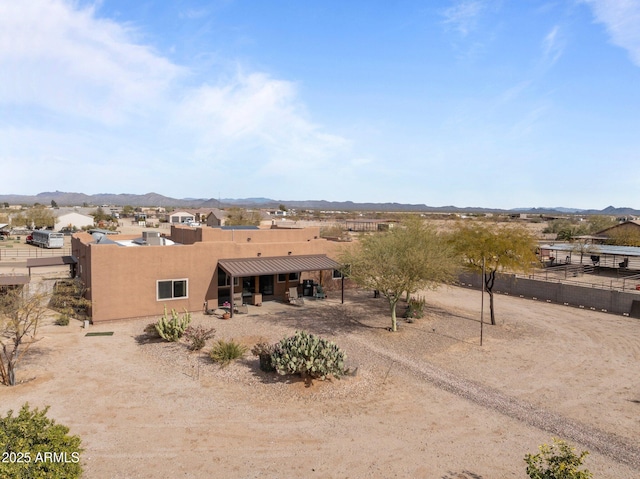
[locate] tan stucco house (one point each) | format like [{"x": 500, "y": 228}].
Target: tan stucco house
[{"x": 128, "y": 276}]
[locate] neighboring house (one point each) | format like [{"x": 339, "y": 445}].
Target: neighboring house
[
  {"x": 73, "y": 220},
  {"x": 627, "y": 233},
  {"x": 200, "y": 214},
  {"x": 129, "y": 277},
  {"x": 277, "y": 213},
  {"x": 179, "y": 217},
  {"x": 216, "y": 218}
]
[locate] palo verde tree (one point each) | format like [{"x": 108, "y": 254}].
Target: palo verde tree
[
  {"x": 558, "y": 460},
  {"x": 20, "y": 316},
  {"x": 499, "y": 247},
  {"x": 408, "y": 257}
]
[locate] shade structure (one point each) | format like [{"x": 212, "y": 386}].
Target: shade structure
[{"x": 277, "y": 265}]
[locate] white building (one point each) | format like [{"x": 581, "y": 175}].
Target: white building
[
  {"x": 71, "y": 220},
  {"x": 180, "y": 217}
]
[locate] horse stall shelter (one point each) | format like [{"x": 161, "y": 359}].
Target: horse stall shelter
[{"x": 196, "y": 268}]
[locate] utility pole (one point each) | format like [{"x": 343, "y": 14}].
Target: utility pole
[{"x": 482, "y": 303}]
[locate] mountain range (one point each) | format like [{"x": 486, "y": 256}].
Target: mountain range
[{"x": 154, "y": 199}]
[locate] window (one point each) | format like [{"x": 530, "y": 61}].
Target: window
[
  {"x": 282, "y": 277},
  {"x": 337, "y": 274},
  {"x": 224, "y": 280},
  {"x": 172, "y": 289}
]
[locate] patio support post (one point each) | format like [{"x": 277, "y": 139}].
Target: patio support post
[
  {"x": 231, "y": 298},
  {"x": 286, "y": 285}
]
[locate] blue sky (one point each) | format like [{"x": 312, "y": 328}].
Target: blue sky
[{"x": 490, "y": 103}]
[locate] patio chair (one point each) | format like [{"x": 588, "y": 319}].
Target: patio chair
[
  {"x": 238, "y": 299},
  {"x": 294, "y": 298},
  {"x": 241, "y": 309}
]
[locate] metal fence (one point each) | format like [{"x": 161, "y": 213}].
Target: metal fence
[
  {"x": 18, "y": 254},
  {"x": 587, "y": 276}
]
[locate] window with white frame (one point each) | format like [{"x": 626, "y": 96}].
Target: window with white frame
[
  {"x": 172, "y": 289},
  {"x": 337, "y": 274}
]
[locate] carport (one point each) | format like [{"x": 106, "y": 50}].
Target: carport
[
  {"x": 601, "y": 255},
  {"x": 72, "y": 261},
  {"x": 12, "y": 281}
]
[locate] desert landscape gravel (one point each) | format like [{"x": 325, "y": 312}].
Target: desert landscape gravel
[{"x": 425, "y": 402}]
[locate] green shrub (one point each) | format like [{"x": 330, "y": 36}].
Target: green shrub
[
  {"x": 44, "y": 447},
  {"x": 173, "y": 329},
  {"x": 224, "y": 352},
  {"x": 150, "y": 330},
  {"x": 198, "y": 336},
  {"x": 264, "y": 351},
  {"x": 309, "y": 356},
  {"x": 556, "y": 461},
  {"x": 68, "y": 298},
  {"x": 415, "y": 309},
  {"x": 63, "y": 320}
]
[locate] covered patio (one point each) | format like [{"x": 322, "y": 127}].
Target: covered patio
[{"x": 269, "y": 278}]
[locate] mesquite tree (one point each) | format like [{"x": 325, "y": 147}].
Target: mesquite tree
[
  {"x": 408, "y": 257},
  {"x": 20, "y": 315}
]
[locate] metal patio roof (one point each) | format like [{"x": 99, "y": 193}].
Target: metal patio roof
[
  {"x": 52, "y": 261},
  {"x": 277, "y": 265},
  {"x": 14, "y": 279},
  {"x": 596, "y": 249}
]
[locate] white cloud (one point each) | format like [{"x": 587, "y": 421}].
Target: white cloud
[
  {"x": 256, "y": 112},
  {"x": 88, "y": 92},
  {"x": 553, "y": 46},
  {"x": 463, "y": 15},
  {"x": 622, "y": 21},
  {"x": 193, "y": 13},
  {"x": 66, "y": 60}
]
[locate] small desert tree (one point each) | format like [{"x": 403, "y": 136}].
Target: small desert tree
[
  {"x": 409, "y": 257},
  {"x": 36, "y": 217},
  {"x": 597, "y": 223},
  {"x": 20, "y": 315},
  {"x": 624, "y": 237},
  {"x": 583, "y": 248},
  {"x": 242, "y": 217},
  {"x": 499, "y": 247},
  {"x": 556, "y": 461}
]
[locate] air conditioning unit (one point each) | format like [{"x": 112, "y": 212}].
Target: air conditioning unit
[{"x": 151, "y": 238}]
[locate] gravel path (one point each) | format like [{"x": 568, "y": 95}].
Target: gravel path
[{"x": 612, "y": 446}]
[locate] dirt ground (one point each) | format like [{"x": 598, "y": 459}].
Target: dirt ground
[{"x": 146, "y": 409}]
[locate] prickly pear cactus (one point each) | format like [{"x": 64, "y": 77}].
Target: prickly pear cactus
[
  {"x": 308, "y": 355},
  {"x": 173, "y": 328}
]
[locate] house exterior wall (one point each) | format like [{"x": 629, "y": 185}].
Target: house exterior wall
[
  {"x": 214, "y": 220},
  {"x": 122, "y": 281}
]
